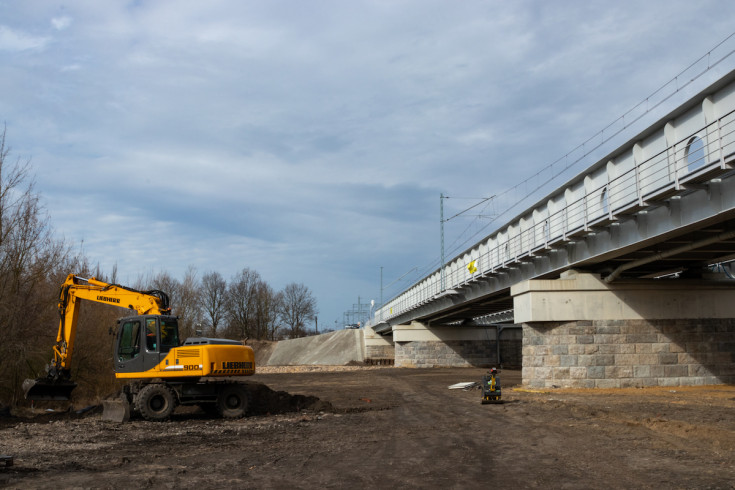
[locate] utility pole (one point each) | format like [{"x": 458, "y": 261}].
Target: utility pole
[
  {"x": 381, "y": 287},
  {"x": 380, "y": 305},
  {"x": 441, "y": 227}
]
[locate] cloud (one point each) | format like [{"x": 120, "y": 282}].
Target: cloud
[
  {"x": 13, "y": 40},
  {"x": 61, "y": 23}
]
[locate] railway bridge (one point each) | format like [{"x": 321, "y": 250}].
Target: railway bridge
[{"x": 617, "y": 278}]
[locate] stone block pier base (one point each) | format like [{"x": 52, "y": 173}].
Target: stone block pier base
[
  {"x": 417, "y": 345},
  {"x": 580, "y": 332}
]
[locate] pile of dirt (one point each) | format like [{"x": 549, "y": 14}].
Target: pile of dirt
[
  {"x": 266, "y": 401},
  {"x": 332, "y": 348}
]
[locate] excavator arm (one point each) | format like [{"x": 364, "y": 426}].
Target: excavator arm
[{"x": 57, "y": 385}]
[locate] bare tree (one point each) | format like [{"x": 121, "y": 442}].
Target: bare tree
[
  {"x": 188, "y": 304},
  {"x": 241, "y": 303},
  {"x": 163, "y": 281},
  {"x": 184, "y": 297},
  {"x": 268, "y": 307},
  {"x": 298, "y": 307},
  {"x": 214, "y": 290},
  {"x": 29, "y": 255}
]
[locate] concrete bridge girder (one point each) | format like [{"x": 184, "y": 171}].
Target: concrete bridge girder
[{"x": 600, "y": 251}]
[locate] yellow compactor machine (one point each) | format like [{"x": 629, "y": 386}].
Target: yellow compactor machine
[{"x": 163, "y": 371}]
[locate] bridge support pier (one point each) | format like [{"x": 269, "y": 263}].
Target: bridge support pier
[
  {"x": 378, "y": 349},
  {"x": 419, "y": 345},
  {"x": 581, "y": 332}
]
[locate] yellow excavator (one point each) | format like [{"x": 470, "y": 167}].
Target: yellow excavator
[{"x": 163, "y": 372}]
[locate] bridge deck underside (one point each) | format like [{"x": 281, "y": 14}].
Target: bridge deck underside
[{"x": 687, "y": 261}]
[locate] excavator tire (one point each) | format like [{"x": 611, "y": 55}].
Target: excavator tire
[
  {"x": 233, "y": 401},
  {"x": 155, "y": 402}
]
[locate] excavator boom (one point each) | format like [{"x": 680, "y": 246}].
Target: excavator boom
[{"x": 57, "y": 385}]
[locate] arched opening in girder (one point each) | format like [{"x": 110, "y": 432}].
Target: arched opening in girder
[{"x": 694, "y": 153}]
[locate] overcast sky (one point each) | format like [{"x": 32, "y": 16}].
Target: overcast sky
[{"x": 310, "y": 140}]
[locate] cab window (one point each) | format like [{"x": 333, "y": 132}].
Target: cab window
[
  {"x": 129, "y": 346},
  {"x": 150, "y": 334},
  {"x": 169, "y": 335}
]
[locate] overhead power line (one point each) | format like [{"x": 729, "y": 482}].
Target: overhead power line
[{"x": 680, "y": 81}]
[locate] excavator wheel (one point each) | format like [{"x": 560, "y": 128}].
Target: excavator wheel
[
  {"x": 155, "y": 402},
  {"x": 233, "y": 401}
]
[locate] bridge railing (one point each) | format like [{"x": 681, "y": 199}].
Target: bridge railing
[{"x": 637, "y": 177}]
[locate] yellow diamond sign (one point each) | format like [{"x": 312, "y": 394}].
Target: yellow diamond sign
[{"x": 472, "y": 267}]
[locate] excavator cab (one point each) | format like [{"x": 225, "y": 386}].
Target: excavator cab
[{"x": 142, "y": 341}]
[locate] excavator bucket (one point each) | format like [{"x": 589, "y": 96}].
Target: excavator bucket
[
  {"x": 116, "y": 409},
  {"x": 47, "y": 389}
]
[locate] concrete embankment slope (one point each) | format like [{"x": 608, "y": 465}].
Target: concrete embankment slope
[{"x": 334, "y": 348}]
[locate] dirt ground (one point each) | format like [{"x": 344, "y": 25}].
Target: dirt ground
[{"x": 399, "y": 428}]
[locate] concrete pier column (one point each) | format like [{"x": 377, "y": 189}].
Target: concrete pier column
[
  {"x": 419, "y": 345},
  {"x": 579, "y": 331}
]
